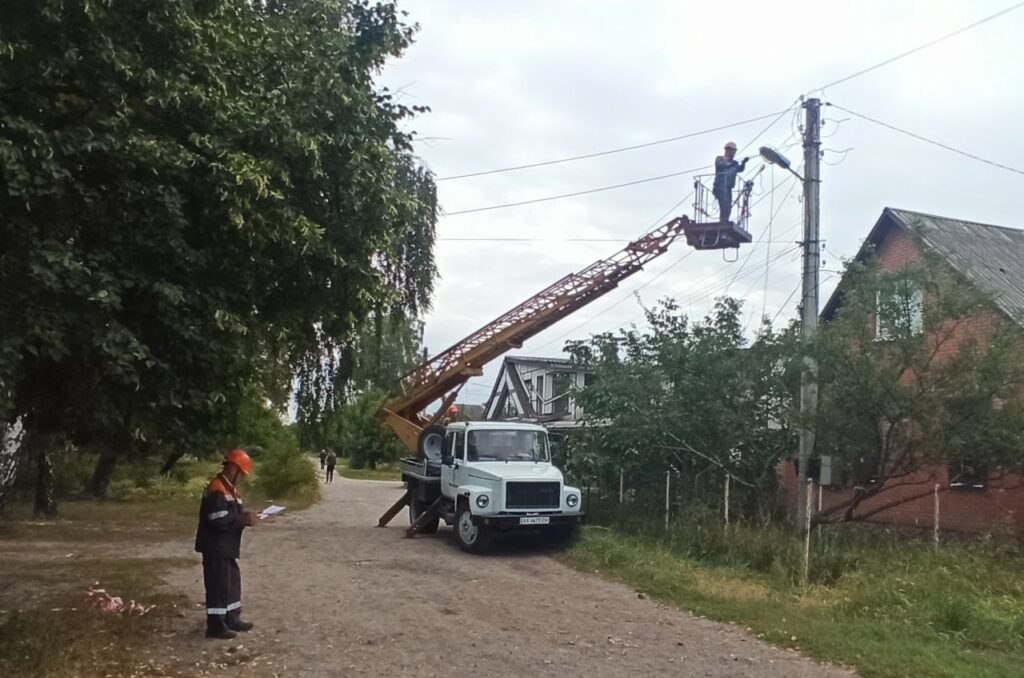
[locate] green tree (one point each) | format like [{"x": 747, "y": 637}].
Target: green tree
[
  {"x": 197, "y": 198},
  {"x": 360, "y": 436},
  {"x": 917, "y": 369},
  {"x": 691, "y": 398}
]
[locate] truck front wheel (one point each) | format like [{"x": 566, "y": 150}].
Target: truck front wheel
[{"x": 472, "y": 538}]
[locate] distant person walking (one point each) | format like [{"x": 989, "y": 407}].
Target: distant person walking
[
  {"x": 726, "y": 169},
  {"x": 323, "y": 458},
  {"x": 332, "y": 461}
]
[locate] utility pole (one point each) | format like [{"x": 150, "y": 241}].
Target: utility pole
[{"x": 809, "y": 305}]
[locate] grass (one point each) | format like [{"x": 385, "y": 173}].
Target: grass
[
  {"x": 382, "y": 472},
  {"x": 46, "y": 625},
  {"x": 885, "y": 605}
]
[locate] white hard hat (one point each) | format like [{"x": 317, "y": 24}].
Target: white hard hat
[{"x": 731, "y": 144}]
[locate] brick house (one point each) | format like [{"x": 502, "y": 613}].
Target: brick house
[{"x": 991, "y": 258}]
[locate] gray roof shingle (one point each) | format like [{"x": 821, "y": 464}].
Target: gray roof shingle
[{"x": 990, "y": 257}]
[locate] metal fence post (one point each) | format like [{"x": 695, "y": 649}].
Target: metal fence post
[
  {"x": 668, "y": 480},
  {"x": 807, "y": 532},
  {"x": 726, "y": 500}
]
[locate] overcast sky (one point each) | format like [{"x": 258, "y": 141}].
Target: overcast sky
[{"x": 511, "y": 83}]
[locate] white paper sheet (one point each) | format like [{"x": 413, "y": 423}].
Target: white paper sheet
[{"x": 271, "y": 510}]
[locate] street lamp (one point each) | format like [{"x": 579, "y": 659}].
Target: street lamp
[{"x": 773, "y": 157}]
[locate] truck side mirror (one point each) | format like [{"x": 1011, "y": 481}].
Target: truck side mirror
[{"x": 447, "y": 458}]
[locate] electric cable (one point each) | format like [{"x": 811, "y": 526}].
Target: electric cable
[
  {"x": 576, "y": 193},
  {"x": 611, "y": 151},
  {"x": 932, "y": 43},
  {"x": 930, "y": 141}
]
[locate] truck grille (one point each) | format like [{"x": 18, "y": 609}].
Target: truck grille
[{"x": 532, "y": 495}]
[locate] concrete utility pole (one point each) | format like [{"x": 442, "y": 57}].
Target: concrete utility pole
[{"x": 809, "y": 305}]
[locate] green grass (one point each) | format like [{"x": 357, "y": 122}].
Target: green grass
[
  {"x": 46, "y": 626},
  {"x": 382, "y": 472},
  {"x": 889, "y": 607}
]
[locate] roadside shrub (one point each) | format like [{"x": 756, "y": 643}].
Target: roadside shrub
[
  {"x": 362, "y": 439},
  {"x": 286, "y": 472}
]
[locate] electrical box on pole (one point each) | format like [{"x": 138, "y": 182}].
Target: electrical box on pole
[{"x": 809, "y": 304}]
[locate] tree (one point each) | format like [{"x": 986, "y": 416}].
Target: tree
[
  {"x": 694, "y": 399},
  {"x": 917, "y": 369},
  {"x": 359, "y": 435},
  {"x": 198, "y": 199}
]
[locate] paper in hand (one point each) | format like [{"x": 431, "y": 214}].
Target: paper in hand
[{"x": 271, "y": 510}]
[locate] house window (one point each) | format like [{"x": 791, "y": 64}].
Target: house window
[
  {"x": 968, "y": 474},
  {"x": 560, "y": 393},
  {"x": 539, "y": 395},
  {"x": 899, "y": 312}
]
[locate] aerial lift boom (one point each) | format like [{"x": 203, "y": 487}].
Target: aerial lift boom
[{"x": 441, "y": 376}]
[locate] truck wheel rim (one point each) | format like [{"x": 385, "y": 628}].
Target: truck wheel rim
[{"x": 467, "y": 530}]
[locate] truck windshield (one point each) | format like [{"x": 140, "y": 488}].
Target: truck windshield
[{"x": 507, "y": 446}]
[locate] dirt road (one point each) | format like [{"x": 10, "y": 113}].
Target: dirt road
[{"x": 333, "y": 595}]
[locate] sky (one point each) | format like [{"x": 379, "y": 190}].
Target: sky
[{"x": 512, "y": 83}]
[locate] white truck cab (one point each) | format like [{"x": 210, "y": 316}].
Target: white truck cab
[{"x": 488, "y": 477}]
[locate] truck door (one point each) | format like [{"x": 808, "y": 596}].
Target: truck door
[{"x": 449, "y": 485}]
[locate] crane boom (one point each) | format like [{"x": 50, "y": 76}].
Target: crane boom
[{"x": 441, "y": 375}]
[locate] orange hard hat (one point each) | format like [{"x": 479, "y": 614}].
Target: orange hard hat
[
  {"x": 452, "y": 409},
  {"x": 240, "y": 459}
]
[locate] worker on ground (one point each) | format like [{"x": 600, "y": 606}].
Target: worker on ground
[
  {"x": 332, "y": 461},
  {"x": 726, "y": 169},
  {"x": 323, "y": 458},
  {"x": 221, "y": 521}
]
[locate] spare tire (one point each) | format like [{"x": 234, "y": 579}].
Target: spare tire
[{"x": 431, "y": 442}]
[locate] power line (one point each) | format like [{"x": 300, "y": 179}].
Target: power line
[
  {"x": 598, "y": 154},
  {"x": 930, "y": 141},
  {"x": 936, "y": 41},
  {"x": 576, "y": 193}
]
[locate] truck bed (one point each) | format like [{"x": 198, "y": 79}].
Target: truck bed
[{"x": 420, "y": 469}]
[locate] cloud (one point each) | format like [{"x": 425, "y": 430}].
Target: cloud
[{"x": 513, "y": 83}]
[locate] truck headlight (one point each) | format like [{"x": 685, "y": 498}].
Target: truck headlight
[
  {"x": 482, "y": 500},
  {"x": 572, "y": 501}
]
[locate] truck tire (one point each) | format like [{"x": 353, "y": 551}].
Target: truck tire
[
  {"x": 431, "y": 442},
  {"x": 472, "y": 538},
  {"x": 416, "y": 509}
]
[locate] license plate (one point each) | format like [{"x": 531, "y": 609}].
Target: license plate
[{"x": 539, "y": 520}]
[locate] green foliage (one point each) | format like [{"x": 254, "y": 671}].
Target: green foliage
[
  {"x": 936, "y": 383},
  {"x": 199, "y": 199},
  {"x": 690, "y": 398},
  {"x": 285, "y": 471},
  {"x": 360, "y": 435},
  {"x": 887, "y": 605}
]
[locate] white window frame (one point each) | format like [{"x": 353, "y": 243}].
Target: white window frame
[{"x": 914, "y": 315}]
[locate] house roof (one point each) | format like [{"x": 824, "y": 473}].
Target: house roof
[
  {"x": 550, "y": 363},
  {"x": 990, "y": 257}
]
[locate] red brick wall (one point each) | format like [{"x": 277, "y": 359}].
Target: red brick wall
[
  {"x": 911, "y": 501},
  {"x": 997, "y": 508}
]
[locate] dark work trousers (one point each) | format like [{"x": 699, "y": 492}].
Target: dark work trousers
[
  {"x": 724, "y": 198},
  {"x": 330, "y": 473},
  {"x": 223, "y": 585}
]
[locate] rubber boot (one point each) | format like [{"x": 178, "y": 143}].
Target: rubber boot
[
  {"x": 235, "y": 622},
  {"x": 217, "y": 628}
]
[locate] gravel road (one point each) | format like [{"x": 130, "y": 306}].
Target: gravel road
[{"x": 333, "y": 595}]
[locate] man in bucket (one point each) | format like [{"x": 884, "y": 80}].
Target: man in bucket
[{"x": 221, "y": 521}]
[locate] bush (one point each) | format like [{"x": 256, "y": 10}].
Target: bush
[
  {"x": 286, "y": 472},
  {"x": 362, "y": 439}
]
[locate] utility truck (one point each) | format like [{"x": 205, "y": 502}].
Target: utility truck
[{"x": 487, "y": 477}]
